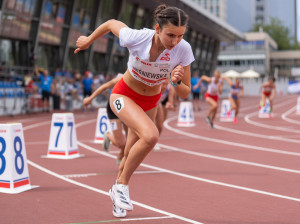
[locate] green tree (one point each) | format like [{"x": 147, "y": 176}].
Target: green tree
[{"x": 278, "y": 32}]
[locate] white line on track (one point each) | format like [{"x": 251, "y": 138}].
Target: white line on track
[
  {"x": 283, "y": 116},
  {"x": 247, "y": 119},
  {"x": 148, "y": 218},
  {"x": 197, "y": 178},
  {"x": 172, "y": 129},
  {"x": 98, "y": 190},
  {"x": 96, "y": 174},
  {"x": 228, "y": 159},
  {"x": 276, "y": 138},
  {"x": 106, "y": 193}
]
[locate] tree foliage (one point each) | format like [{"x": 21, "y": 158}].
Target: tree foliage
[{"x": 279, "y": 32}]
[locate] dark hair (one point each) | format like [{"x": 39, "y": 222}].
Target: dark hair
[
  {"x": 273, "y": 79},
  {"x": 164, "y": 14}
]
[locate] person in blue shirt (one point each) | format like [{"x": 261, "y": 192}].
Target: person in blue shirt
[
  {"x": 87, "y": 83},
  {"x": 196, "y": 91},
  {"x": 45, "y": 86}
]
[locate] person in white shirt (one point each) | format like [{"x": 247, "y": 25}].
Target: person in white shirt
[
  {"x": 154, "y": 55},
  {"x": 215, "y": 87}
]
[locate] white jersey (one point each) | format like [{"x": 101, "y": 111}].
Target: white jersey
[
  {"x": 213, "y": 88},
  {"x": 139, "y": 43}
]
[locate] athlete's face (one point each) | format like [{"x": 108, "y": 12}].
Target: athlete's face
[{"x": 170, "y": 35}]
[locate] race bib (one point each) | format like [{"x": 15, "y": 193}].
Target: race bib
[{"x": 149, "y": 73}]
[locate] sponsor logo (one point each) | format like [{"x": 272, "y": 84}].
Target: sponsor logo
[{"x": 166, "y": 58}]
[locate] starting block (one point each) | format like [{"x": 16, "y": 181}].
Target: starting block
[
  {"x": 265, "y": 111},
  {"x": 63, "y": 140},
  {"x": 227, "y": 115},
  {"x": 102, "y": 125},
  {"x": 186, "y": 115},
  {"x": 298, "y": 106},
  {"x": 14, "y": 175}
]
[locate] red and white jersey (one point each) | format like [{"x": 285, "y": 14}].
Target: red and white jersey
[
  {"x": 139, "y": 43},
  {"x": 213, "y": 88}
]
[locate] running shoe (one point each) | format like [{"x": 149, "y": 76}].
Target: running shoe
[
  {"x": 118, "y": 162},
  {"x": 211, "y": 124},
  {"x": 106, "y": 142},
  {"x": 156, "y": 147},
  {"x": 208, "y": 119},
  {"x": 120, "y": 195},
  {"x": 235, "y": 120},
  {"x": 117, "y": 212}
]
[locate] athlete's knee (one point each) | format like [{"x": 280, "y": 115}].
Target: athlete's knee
[
  {"x": 151, "y": 137},
  {"x": 120, "y": 144},
  {"x": 215, "y": 106}
]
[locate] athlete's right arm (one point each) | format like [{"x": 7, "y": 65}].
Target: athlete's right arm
[
  {"x": 228, "y": 80},
  {"x": 107, "y": 85},
  {"x": 114, "y": 26},
  {"x": 205, "y": 78}
]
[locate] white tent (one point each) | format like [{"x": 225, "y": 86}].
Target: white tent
[
  {"x": 250, "y": 74},
  {"x": 231, "y": 73}
]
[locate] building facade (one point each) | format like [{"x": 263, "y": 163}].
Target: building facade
[
  {"x": 215, "y": 7},
  {"x": 253, "y": 53},
  {"x": 48, "y": 29},
  {"x": 286, "y": 64}
]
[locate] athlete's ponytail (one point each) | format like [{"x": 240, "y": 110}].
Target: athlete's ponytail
[{"x": 164, "y": 14}]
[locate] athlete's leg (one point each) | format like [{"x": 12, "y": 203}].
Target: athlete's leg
[
  {"x": 232, "y": 103},
  {"x": 159, "y": 120},
  {"x": 140, "y": 124},
  {"x": 213, "y": 108},
  {"x": 263, "y": 100},
  {"x": 117, "y": 137},
  {"x": 237, "y": 103}
]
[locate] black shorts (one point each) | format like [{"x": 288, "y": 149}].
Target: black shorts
[
  {"x": 111, "y": 115},
  {"x": 196, "y": 95},
  {"x": 45, "y": 95},
  {"x": 164, "y": 102}
]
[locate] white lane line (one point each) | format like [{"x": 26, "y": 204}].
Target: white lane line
[
  {"x": 276, "y": 138},
  {"x": 106, "y": 193},
  {"x": 36, "y": 125},
  {"x": 247, "y": 119},
  {"x": 79, "y": 175},
  {"x": 148, "y": 218},
  {"x": 98, "y": 190},
  {"x": 284, "y": 116},
  {"x": 198, "y": 178},
  {"x": 228, "y": 159},
  {"x": 172, "y": 129}
]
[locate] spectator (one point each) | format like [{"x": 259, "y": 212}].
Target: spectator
[
  {"x": 87, "y": 83},
  {"x": 45, "y": 86}
]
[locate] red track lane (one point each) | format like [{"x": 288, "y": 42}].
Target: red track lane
[{"x": 222, "y": 182}]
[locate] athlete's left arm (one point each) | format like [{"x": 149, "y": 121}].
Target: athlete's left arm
[
  {"x": 184, "y": 74},
  {"x": 242, "y": 91},
  {"x": 274, "y": 91}
]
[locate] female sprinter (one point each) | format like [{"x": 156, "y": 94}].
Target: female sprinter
[
  {"x": 236, "y": 91},
  {"x": 269, "y": 91},
  {"x": 215, "y": 87},
  {"x": 154, "y": 55}
]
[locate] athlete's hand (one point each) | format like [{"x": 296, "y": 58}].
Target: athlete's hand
[
  {"x": 177, "y": 74},
  {"x": 82, "y": 43},
  {"x": 170, "y": 106},
  {"x": 87, "y": 101}
]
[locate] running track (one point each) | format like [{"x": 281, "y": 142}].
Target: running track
[{"x": 237, "y": 173}]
